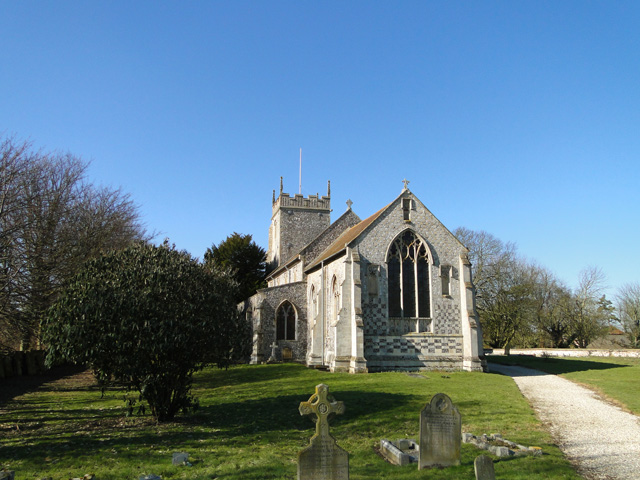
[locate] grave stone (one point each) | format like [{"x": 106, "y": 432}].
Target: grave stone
[
  {"x": 401, "y": 452},
  {"x": 274, "y": 353},
  {"x": 323, "y": 459},
  {"x": 7, "y": 475},
  {"x": 180, "y": 458},
  {"x": 287, "y": 354},
  {"x": 483, "y": 467},
  {"x": 440, "y": 433}
]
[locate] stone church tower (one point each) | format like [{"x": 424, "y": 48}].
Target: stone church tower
[
  {"x": 390, "y": 292},
  {"x": 295, "y": 222}
]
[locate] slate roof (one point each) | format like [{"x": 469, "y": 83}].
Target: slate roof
[
  {"x": 296, "y": 257},
  {"x": 346, "y": 238}
]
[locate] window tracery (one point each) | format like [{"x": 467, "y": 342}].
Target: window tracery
[
  {"x": 408, "y": 275},
  {"x": 286, "y": 322}
]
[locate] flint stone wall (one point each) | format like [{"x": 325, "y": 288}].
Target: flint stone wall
[
  {"x": 262, "y": 313},
  {"x": 440, "y": 345}
]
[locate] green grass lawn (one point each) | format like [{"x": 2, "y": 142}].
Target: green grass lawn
[
  {"x": 617, "y": 378},
  {"x": 248, "y": 426}
]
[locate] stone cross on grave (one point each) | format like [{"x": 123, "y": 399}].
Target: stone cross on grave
[
  {"x": 322, "y": 405},
  {"x": 274, "y": 350},
  {"x": 323, "y": 459}
]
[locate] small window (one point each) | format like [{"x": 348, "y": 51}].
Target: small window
[
  {"x": 372, "y": 279},
  {"x": 286, "y": 322},
  {"x": 406, "y": 209},
  {"x": 445, "y": 277},
  {"x": 335, "y": 293}
]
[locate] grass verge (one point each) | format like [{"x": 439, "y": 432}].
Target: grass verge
[
  {"x": 248, "y": 426},
  {"x": 617, "y": 378}
]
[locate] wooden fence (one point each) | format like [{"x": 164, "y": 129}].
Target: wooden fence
[{"x": 22, "y": 363}]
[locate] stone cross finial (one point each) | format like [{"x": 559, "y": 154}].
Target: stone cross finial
[
  {"x": 322, "y": 405},
  {"x": 406, "y": 184},
  {"x": 349, "y": 203}
]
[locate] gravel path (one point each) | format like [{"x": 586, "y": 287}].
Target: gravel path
[{"x": 599, "y": 438}]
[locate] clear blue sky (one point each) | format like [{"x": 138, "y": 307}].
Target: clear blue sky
[{"x": 518, "y": 118}]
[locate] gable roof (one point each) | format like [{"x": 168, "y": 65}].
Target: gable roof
[
  {"x": 329, "y": 231},
  {"x": 346, "y": 238},
  {"x": 343, "y": 241}
]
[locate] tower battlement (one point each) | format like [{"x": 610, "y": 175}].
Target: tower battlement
[
  {"x": 312, "y": 202},
  {"x": 295, "y": 221}
]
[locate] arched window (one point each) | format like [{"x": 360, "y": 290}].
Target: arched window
[
  {"x": 286, "y": 322},
  {"x": 408, "y": 268},
  {"x": 335, "y": 298},
  {"x": 314, "y": 302}
]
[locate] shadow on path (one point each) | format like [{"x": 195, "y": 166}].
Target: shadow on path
[
  {"x": 515, "y": 370},
  {"x": 553, "y": 365}
]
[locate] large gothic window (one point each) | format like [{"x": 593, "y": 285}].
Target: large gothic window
[
  {"x": 286, "y": 322},
  {"x": 408, "y": 267}
]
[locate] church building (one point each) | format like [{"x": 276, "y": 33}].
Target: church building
[{"x": 390, "y": 292}]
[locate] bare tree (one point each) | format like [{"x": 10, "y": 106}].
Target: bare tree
[
  {"x": 504, "y": 288},
  {"x": 628, "y": 301},
  {"x": 51, "y": 222},
  {"x": 507, "y": 311},
  {"x": 522, "y": 303},
  {"x": 488, "y": 256},
  {"x": 552, "y": 302},
  {"x": 14, "y": 157},
  {"x": 590, "y": 311}
]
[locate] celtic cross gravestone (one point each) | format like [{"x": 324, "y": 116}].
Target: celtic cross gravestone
[{"x": 323, "y": 459}]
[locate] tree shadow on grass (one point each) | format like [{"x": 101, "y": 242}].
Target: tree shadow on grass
[
  {"x": 16, "y": 386},
  {"x": 213, "y": 378},
  {"x": 552, "y": 365},
  {"x": 280, "y": 413},
  {"x": 79, "y": 430}
]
